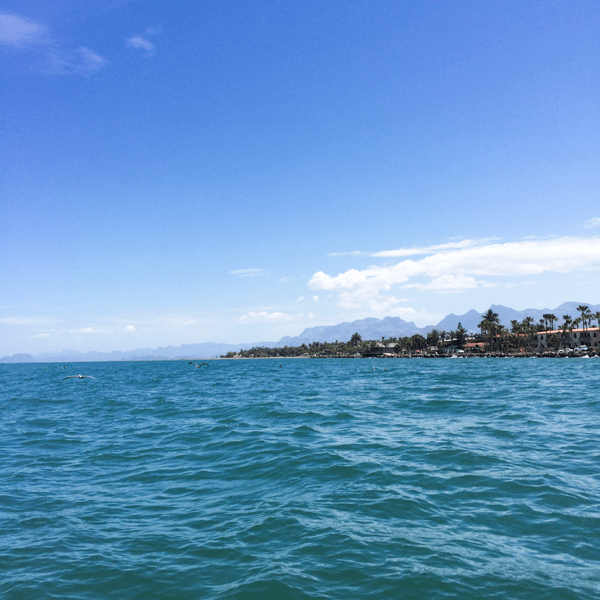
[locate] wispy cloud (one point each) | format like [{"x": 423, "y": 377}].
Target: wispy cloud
[
  {"x": 248, "y": 272},
  {"x": 459, "y": 266},
  {"x": 89, "y": 330},
  {"x": 400, "y": 252},
  {"x": 264, "y": 316},
  {"x": 141, "y": 43},
  {"x": 595, "y": 222},
  {"x": 20, "y": 33},
  {"x": 447, "y": 283},
  {"x": 425, "y": 249},
  {"x": 49, "y": 56},
  {"x": 352, "y": 253},
  {"x": 29, "y": 321},
  {"x": 78, "y": 61}
]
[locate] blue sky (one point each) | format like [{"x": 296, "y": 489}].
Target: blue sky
[{"x": 238, "y": 171}]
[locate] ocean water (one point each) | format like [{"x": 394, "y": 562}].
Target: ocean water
[{"x": 475, "y": 478}]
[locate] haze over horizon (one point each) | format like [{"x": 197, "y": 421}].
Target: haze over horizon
[{"x": 231, "y": 172}]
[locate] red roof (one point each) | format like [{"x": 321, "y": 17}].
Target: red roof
[{"x": 569, "y": 330}]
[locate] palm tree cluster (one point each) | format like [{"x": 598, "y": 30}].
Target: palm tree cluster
[
  {"x": 523, "y": 334},
  {"x": 495, "y": 336},
  {"x": 410, "y": 345}
]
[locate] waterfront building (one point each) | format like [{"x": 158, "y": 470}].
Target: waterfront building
[{"x": 570, "y": 338}]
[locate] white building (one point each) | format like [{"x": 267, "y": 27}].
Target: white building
[{"x": 589, "y": 337}]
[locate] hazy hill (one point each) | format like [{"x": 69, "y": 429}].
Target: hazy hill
[
  {"x": 369, "y": 329},
  {"x": 206, "y": 350}
]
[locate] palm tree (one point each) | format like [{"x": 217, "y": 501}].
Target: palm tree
[
  {"x": 419, "y": 342},
  {"x": 355, "y": 339},
  {"x": 442, "y": 338},
  {"x": 576, "y": 324},
  {"x": 516, "y": 329},
  {"x": 488, "y": 325},
  {"x": 528, "y": 329},
  {"x": 451, "y": 338},
  {"x": 550, "y": 318},
  {"x": 461, "y": 335},
  {"x": 491, "y": 316},
  {"x": 567, "y": 324},
  {"x": 433, "y": 337},
  {"x": 584, "y": 310}
]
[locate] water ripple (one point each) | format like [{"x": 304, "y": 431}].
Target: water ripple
[{"x": 319, "y": 479}]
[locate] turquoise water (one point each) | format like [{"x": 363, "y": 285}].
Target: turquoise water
[{"x": 475, "y": 478}]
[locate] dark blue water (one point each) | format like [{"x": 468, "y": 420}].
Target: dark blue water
[{"x": 476, "y": 478}]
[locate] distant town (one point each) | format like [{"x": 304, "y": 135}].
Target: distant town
[{"x": 573, "y": 337}]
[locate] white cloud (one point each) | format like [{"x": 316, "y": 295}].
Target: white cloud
[
  {"x": 32, "y": 321},
  {"x": 458, "y": 266},
  {"x": 316, "y": 299},
  {"x": 353, "y": 253},
  {"x": 90, "y": 331},
  {"x": 78, "y": 61},
  {"x": 424, "y": 249},
  {"x": 595, "y": 222},
  {"x": 50, "y": 56},
  {"x": 20, "y": 33},
  {"x": 300, "y": 299},
  {"x": 130, "y": 328},
  {"x": 264, "y": 316},
  {"x": 140, "y": 43},
  {"x": 248, "y": 272},
  {"x": 447, "y": 283}
]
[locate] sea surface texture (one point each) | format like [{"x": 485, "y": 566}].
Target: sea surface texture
[{"x": 473, "y": 478}]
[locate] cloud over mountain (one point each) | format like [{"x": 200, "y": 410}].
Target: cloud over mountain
[{"x": 460, "y": 266}]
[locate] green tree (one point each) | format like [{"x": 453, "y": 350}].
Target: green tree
[
  {"x": 461, "y": 335},
  {"x": 567, "y": 325},
  {"x": 419, "y": 342},
  {"x": 528, "y": 330},
  {"x": 441, "y": 342},
  {"x": 546, "y": 319},
  {"x": 355, "y": 339},
  {"x": 489, "y": 324},
  {"x": 433, "y": 337},
  {"x": 549, "y": 318},
  {"x": 585, "y": 313}
]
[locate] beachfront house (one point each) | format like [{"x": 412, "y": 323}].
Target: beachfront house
[
  {"x": 380, "y": 350},
  {"x": 574, "y": 338}
]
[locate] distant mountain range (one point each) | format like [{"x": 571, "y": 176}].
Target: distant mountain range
[{"x": 369, "y": 329}]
